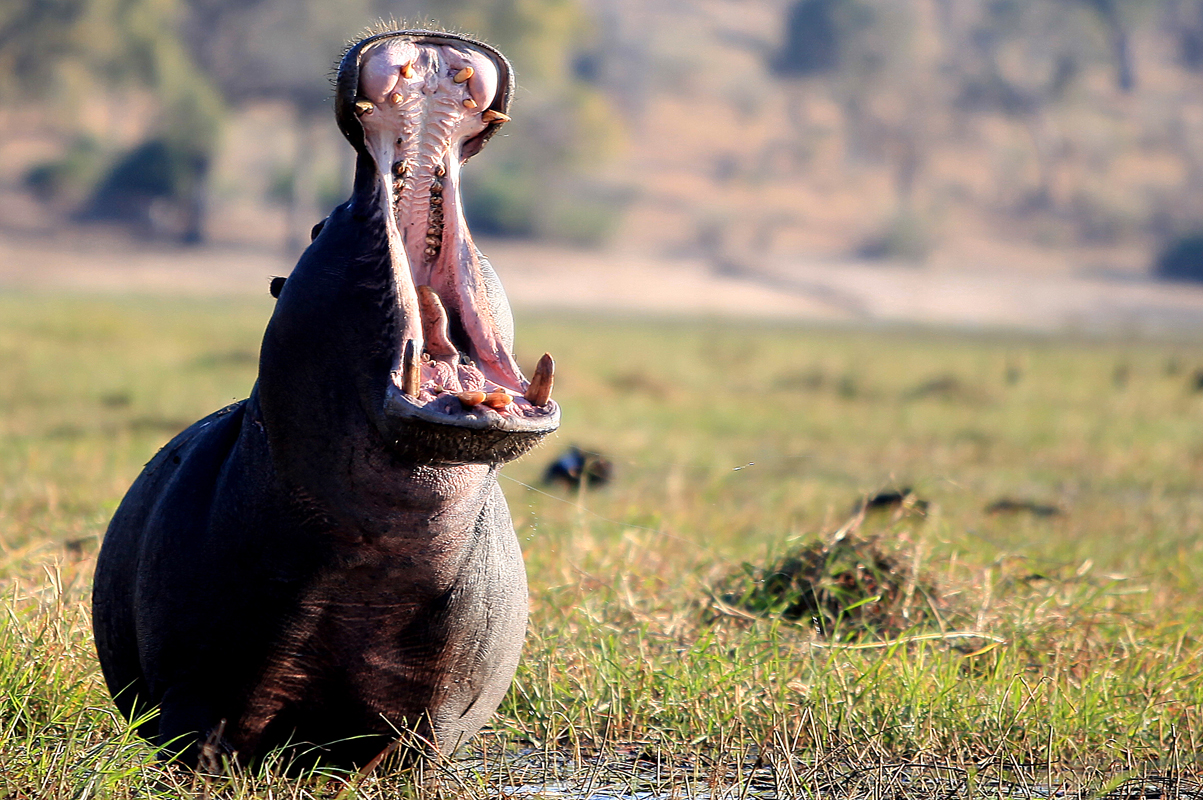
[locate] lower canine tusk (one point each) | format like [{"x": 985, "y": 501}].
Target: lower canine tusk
[
  {"x": 410, "y": 370},
  {"x": 539, "y": 391}
]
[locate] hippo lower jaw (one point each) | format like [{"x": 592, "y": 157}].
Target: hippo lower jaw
[{"x": 421, "y": 103}]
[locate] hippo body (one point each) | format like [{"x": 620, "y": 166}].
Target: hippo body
[{"x": 330, "y": 563}]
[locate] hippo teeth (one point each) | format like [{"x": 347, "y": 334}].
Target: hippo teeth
[
  {"x": 539, "y": 390},
  {"x": 418, "y": 102},
  {"x": 411, "y": 374}
]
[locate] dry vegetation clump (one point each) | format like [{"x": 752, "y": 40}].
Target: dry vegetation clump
[{"x": 846, "y": 585}]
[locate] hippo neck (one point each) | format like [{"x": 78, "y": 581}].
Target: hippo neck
[
  {"x": 328, "y": 357},
  {"x": 430, "y": 513},
  {"x": 338, "y": 320}
]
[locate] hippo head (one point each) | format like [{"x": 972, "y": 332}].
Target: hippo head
[{"x": 440, "y": 380}]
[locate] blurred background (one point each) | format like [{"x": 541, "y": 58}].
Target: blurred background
[{"x": 1016, "y": 163}]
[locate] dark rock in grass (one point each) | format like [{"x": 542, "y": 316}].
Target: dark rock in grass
[
  {"x": 1181, "y": 259},
  {"x": 576, "y": 466},
  {"x": 903, "y": 500},
  {"x": 1008, "y": 505},
  {"x": 116, "y": 400},
  {"x": 75, "y": 547},
  {"x": 1120, "y": 375},
  {"x": 943, "y": 387},
  {"x": 844, "y": 586}
]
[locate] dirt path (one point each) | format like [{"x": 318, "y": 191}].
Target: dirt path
[{"x": 541, "y": 276}]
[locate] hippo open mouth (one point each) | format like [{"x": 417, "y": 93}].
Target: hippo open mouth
[{"x": 421, "y": 103}]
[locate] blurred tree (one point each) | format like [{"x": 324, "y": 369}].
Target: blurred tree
[
  {"x": 62, "y": 52},
  {"x": 1118, "y": 18},
  {"x": 1185, "y": 21},
  {"x": 278, "y": 51},
  {"x": 818, "y": 34},
  {"x": 541, "y": 177},
  {"x": 1022, "y": 58}
]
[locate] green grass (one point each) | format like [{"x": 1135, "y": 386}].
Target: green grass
[{"x": 1061, "y": 650}]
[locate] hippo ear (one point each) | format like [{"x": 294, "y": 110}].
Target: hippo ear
[{"x": 346, "y": 86}]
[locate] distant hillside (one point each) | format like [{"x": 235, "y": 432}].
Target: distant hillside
[{"x": 1036, "y": 133}]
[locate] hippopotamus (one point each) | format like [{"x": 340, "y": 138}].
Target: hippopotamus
[{"x": 330, "y": 564}]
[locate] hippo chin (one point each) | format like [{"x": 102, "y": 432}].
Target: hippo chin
[{"x": 330, "y": 563}]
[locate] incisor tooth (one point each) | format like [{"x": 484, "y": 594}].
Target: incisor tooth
[
  {"x": 497, "y": 400},
  {"x": 407, "y": 70},
  {"x": 464, "y": 74},
  {"x": 494, "y": 116},
  {"x": 539, "y": 390},
  {"x": 470, "y": 399},
  {"x": 469, "y": 103},
  {"x": 410, "y": 371},
  {"x": 364, "y": 107}
]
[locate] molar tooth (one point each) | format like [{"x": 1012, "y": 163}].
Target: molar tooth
[
  {"x": 497, "y": 400},
  {"x": 494, "y": 116},
  {"x": 363, "y": 107},
  {"x": 469, "y": 103},
  {"x": 464, "y": 74},
  {"x": 411, "y": 372},
  {"x": 407, "y": 70},
  {"x": 399, "y": 168},
  {"x": 470, "y": 399},
  {"x": 539, "y": 390},
  {"x": 395, "y": 98}
]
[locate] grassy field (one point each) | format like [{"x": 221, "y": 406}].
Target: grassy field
[{"x": 1052, "y": 641}]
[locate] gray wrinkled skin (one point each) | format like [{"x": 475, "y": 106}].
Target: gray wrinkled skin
[{"x": 287, "y": 570}]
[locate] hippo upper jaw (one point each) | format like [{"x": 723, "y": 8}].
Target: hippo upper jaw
[{"x": 416, "y": 105}]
